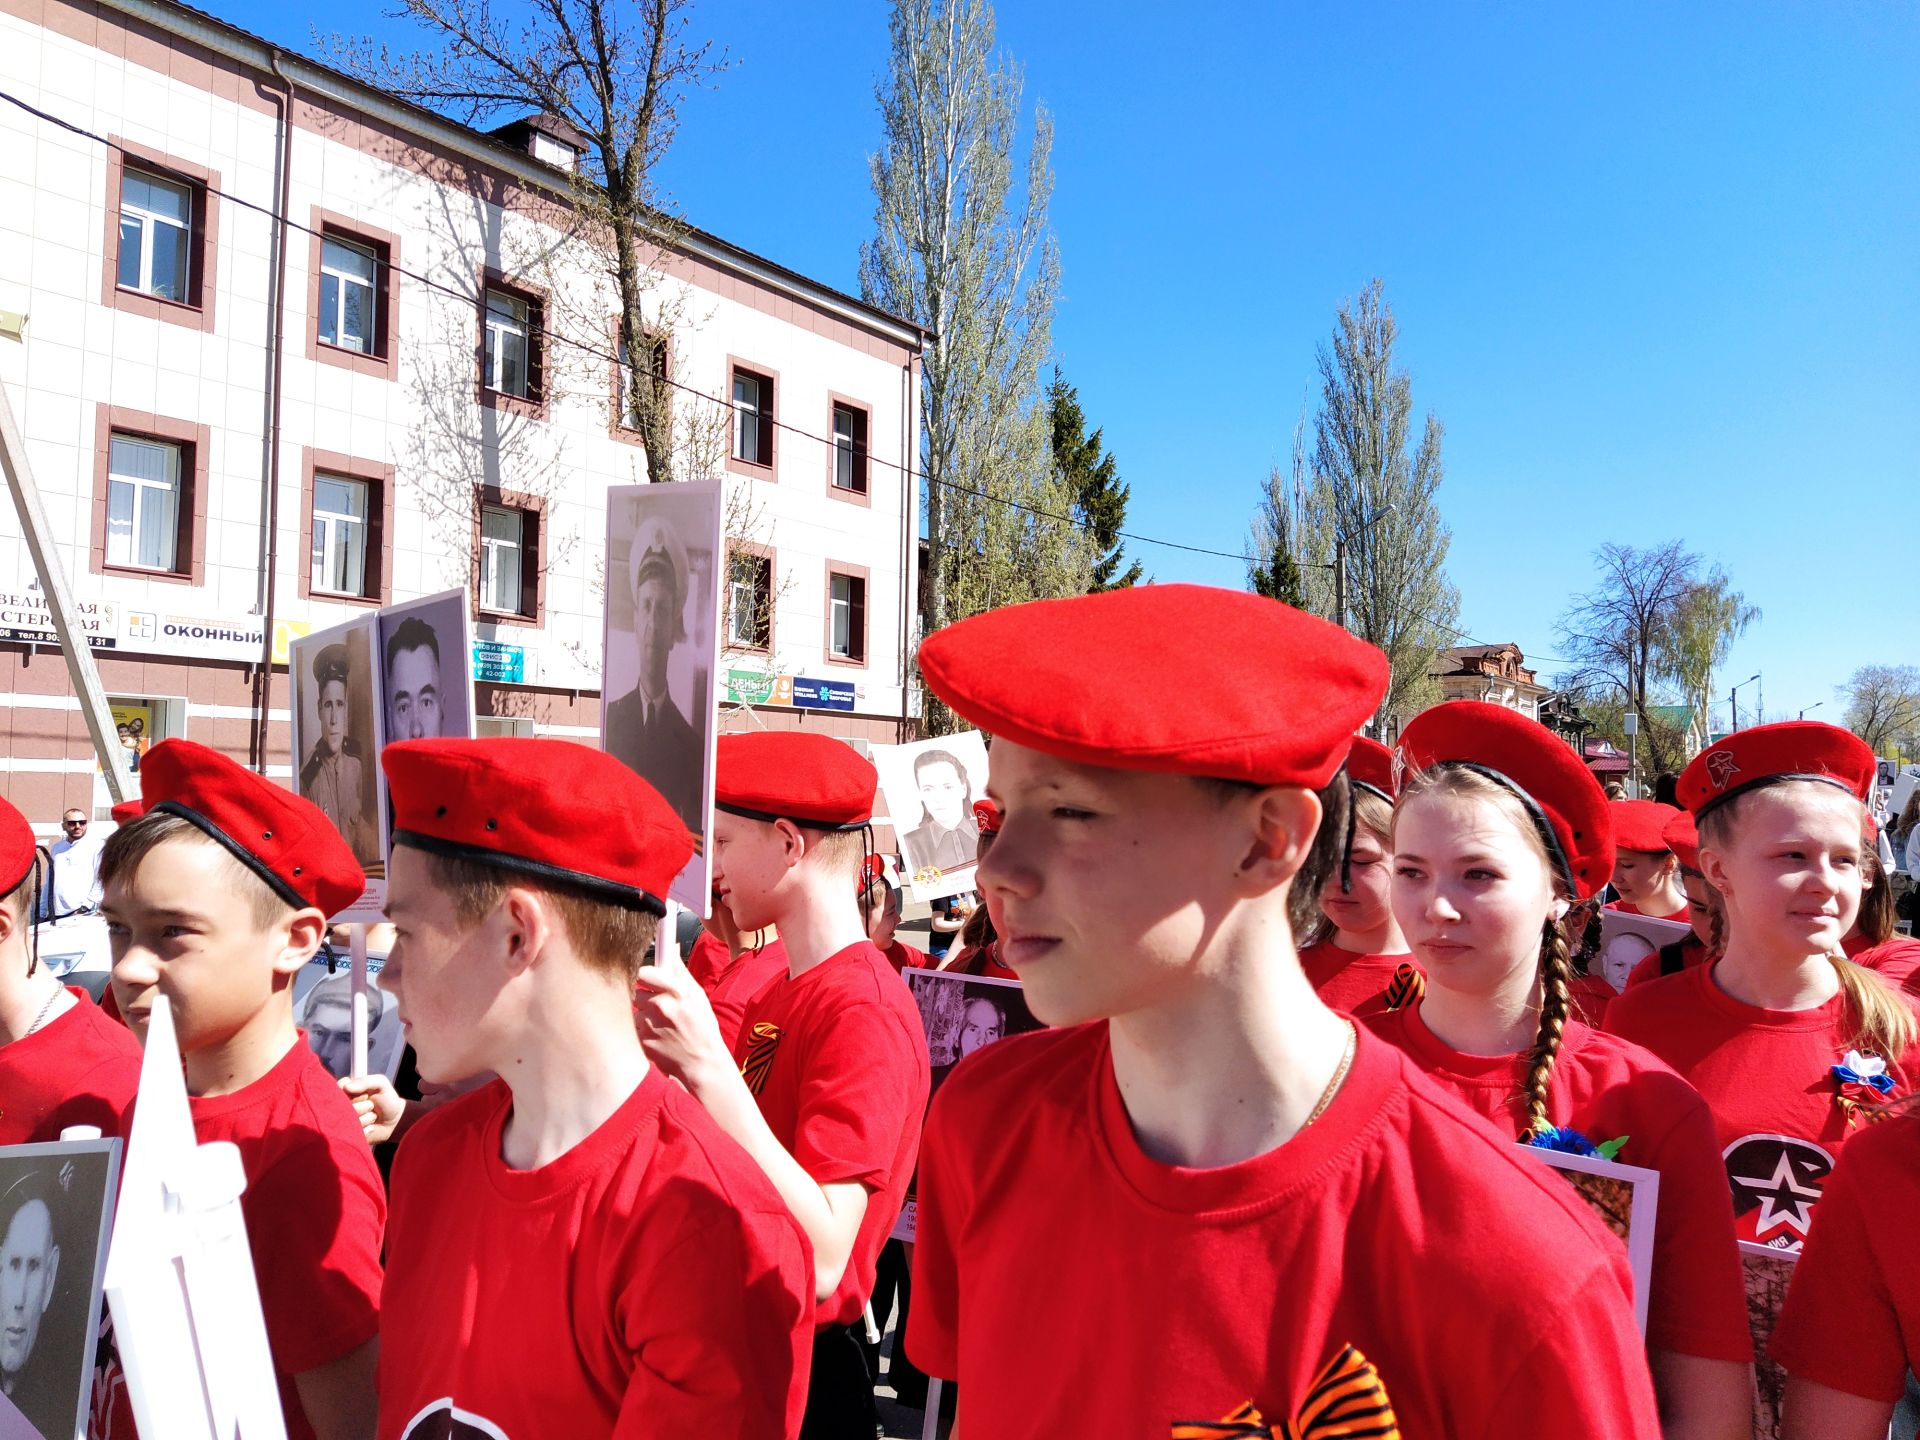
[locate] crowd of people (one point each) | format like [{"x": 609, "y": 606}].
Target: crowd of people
[{"x": 1308, "y": 1002}]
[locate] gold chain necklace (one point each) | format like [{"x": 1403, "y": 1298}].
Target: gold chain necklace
[{"x": 1339, "y": 1075}]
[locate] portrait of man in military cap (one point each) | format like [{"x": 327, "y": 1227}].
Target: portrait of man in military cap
[
  {"x": 662, "y": 650},
  {"x": 333, "y": 725}
]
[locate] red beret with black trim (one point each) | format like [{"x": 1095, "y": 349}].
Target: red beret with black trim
[
  {"x": 128, "y": 810},
  {"x": 1566, "y": 802},
  {"x": 16, "y": 848},
  {"x": 1769, "y": 754},
  {"x": 1173, "y": 679},
  {"x": 812, "y": 780},
  {"x": 1640, "y": 825},
  {"x": 1371, "y": 765},
  {"x": 284, "y": 838},
  {"x": 551, "y": 809},
  {"x": 1682, "y": 837}
]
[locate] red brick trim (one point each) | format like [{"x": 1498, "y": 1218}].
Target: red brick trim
[
  {"x": 383, "y": 363},
  {"x": 379, "y": 563},
  {"x": 203, "y": 247},
  {"x": 864, "y": 576},
  {"x": 862, "y": 456},
  {"x": 617, "y": 425},
  {"x": 195, "y": 442},
  {"x": 533, "y": 577},
  {"x": 536, "y": 405},
  {"x": 766, "y": 553},
  {"x": 771, "y": 469}
]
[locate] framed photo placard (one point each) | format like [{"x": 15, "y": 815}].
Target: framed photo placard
[{"x": 1624, "y": 1199}]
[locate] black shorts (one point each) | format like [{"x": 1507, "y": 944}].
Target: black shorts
[{"x": 840, "y": 1403}]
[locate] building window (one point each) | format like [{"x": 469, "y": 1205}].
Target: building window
[
  {"x": 349, "y": 285},
  {"x": 557, "y": 153},
  {"x": 509, "y": 344},
  {"x": 143, "y": 503},
  {"x": 156, "y": 236},
  {"x": 752, "y": 417},
  {"x": 750, "y": 601},
  {"x": 503, "y": 552},
  {"x": 340, "y": 535},
  {"x": 847, "y": 617},
  {"x": 850, "y": 449}
]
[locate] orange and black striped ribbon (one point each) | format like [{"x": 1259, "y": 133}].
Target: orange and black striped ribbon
[
  {"x": 1408, "y": 986},
  {"x": 759, "y": 1062},
  {"x": 1347, "y": 1401}
]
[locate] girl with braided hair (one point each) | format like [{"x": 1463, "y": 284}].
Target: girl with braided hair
[{"x": 1500, "y": 836}]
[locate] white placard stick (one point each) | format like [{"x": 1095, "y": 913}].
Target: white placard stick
[
  {"x": 666, "y": 940},
  {"x": 930, "y": 1427},
  {"x": 357, "y": 943}
]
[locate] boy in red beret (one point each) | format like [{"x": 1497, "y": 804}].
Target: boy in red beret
[
  {"x": 62, "y": 1061},
  {"x": 215, "y": 897},
  {"x": 1316, "y": 1214},
  {"x": 576, "y": 1248},
  {"x": 828, "y": 1084},
  {"x": 1646, "y": 874}
]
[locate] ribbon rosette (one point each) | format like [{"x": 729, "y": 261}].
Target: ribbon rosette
[
  {"x": 1864, "y": 1085},
  {"x": 1568, "y": 1141},
  {"x": 1346, "y": 1401}
]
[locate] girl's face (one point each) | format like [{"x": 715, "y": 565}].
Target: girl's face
[
  {"x": 1788, "y": 868},
  {"x": 1369, "y": 904},
  {"x": 1638, "y": 875},
  {"x": 982, "y": 1026},
  {"x": 1471, "y": 891}
]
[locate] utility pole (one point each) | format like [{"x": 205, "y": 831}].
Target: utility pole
[
  {"x": 1340, "y": 581},
  {"x": 53, "y": 580}
]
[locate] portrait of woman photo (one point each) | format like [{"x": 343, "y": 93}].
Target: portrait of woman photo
[{"x": 945, "y": 836}]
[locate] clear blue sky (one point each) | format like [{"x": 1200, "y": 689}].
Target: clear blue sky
[{"x": 1656, "y": 267}]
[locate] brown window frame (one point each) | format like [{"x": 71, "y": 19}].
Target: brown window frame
[
  {"x": 536, "y": 403},
  {"x": 862, "y": 493},
  {"x": 748, "y": 550},
  {"x": 533, "y": 578},
  {"x": 382, "y": 362},
  {"x": 862, "y": 615},
  {"x": 196, "y": 312},
  {"x": 378, "y": 571},
  {"x": 190, "y": 540},
  {"x": 662, "y": 345},
  {"x": 769, "y": 469}
]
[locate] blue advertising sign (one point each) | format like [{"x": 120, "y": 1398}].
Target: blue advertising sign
[
  {"x": 506, "y": 664},
  {"x": 822, "y": 694}
]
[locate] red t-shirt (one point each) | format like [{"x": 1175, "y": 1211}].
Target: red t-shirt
[
  {"x": 1692, "y": 952},
  {"x": 1592, "y": 997},
  {"x": 315, "y": 1209},
  {"x": 1767, "y": 1075},
  {"x": 1896, "y": 961},
  {"x": 80, "y": 1068},
  {"x": 903, "y": 956},
  {"x": 1050, "y": 1244},
  {"x": 1627, "y": 907},
  {"x": 1852, "y": 1317},
  {"x": 837, "y": 1058},
  {"x": 649, "y": 1282},
  {"x": 732, "y": 985},
  {"x": 1361, "y": 984},
  {"x": 1608, "y": 1089}
]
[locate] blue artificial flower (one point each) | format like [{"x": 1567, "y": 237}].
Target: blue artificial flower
[{"x": 1569, "y": 1141}]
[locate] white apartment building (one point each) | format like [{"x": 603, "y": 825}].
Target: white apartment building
[{"x": 244, "y": 432}]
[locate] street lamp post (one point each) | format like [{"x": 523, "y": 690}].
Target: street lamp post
[
  {"x": 1733, "y": 699},
  {"x": 1815, "y": 706},
  {"x": 1340, "y": 562}
]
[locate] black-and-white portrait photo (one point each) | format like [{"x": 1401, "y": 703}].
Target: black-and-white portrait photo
[
  {"x": 962, "y": 1013},
  {"x": 426, "y": 668},
  {"x": 53, "y": 1215},
  {"x": 323, "y": 1007},
  {"x": 662, "y": 649},
  {"x": 336, "y": 733},
  {"x": 930, "y": 788}
]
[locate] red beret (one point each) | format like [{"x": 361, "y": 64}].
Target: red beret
[
  {"x": 553, "y": 809},
  {"x": 1138, "y": 679},
  {"x": 128, "y": 810},
  {"x": 1566, "y": 802},
  {"x": 810, "y": 779},
  {"x": 1371, "y": 765},
  {"x": 284, "y": 838},
  {"x": 1682, "y": 837},
  {"x": 17, "y": 847},
  {"x": 1641, "y": 825},
  {"x": 1768, "y": 754}
]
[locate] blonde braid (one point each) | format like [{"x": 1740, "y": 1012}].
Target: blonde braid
[{"x": 1556, "y": 969}]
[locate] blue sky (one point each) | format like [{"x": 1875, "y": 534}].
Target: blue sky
[{"x": 1655, "y": 267}]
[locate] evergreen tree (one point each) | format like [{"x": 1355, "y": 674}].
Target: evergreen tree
[{"x": 1091, "y": 476}]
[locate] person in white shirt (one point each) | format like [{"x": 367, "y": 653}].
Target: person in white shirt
[{"x": 75, "y": 882}]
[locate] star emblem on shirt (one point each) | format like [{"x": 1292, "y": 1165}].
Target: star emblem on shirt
[{"x": 1783, "y": 1199}]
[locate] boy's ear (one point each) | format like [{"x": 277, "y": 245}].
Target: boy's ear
[
  {"x": 305, "y": 930},
  {"x": 1286, "y": 820}
]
